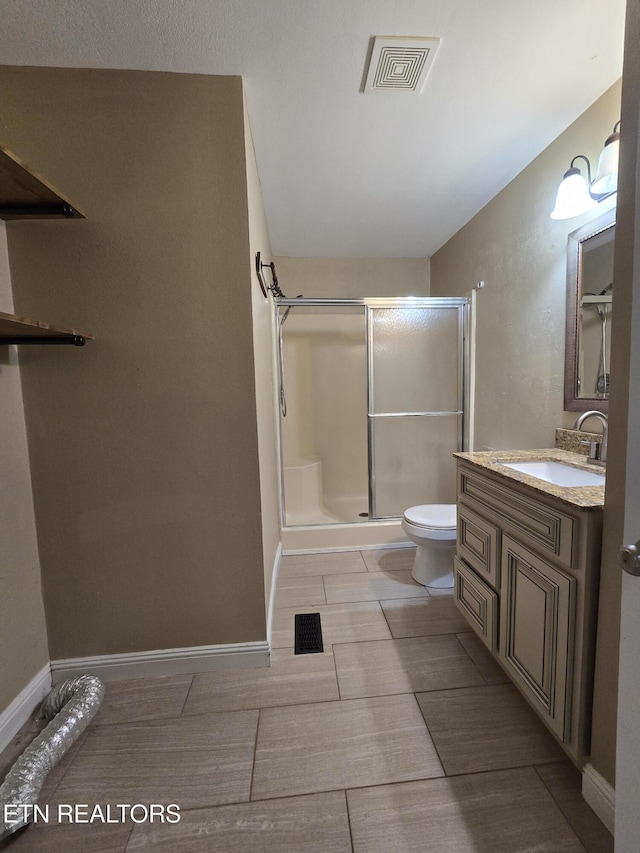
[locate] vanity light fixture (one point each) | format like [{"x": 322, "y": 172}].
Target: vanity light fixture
[
  {"x": 577, "y": 195},
  {"x": 606, "y": 179}
]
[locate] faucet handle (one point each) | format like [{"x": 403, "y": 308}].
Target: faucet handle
[{"x": 594, "y": 450}]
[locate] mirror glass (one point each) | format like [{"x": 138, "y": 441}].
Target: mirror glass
[{"x": 589, "y": 305}]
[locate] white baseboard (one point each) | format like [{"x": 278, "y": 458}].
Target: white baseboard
[
  {"x": 599, "y": 795},
  {"x": 159, "y": 662},
  {"x": 272, "y": 593},
  {"x": 13, "y": 718}
]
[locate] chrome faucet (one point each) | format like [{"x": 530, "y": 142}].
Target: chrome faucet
[{"x": 594, "y": 455}]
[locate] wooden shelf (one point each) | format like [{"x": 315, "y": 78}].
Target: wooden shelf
[
  {"x": 21, "y": 330},
  {"x": 25, "y": 195}
]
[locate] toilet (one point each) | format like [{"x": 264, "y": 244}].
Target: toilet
[{"x": 433, "y": 529}]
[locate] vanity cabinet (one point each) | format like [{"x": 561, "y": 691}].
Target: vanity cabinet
[{"x": 526, "y": 579}]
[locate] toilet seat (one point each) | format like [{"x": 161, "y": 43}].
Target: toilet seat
[{"x": 432, "y": 516}]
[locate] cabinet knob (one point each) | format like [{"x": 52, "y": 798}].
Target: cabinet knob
[{"x": 629, "y": 558}]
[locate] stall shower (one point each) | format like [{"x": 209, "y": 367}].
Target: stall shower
[{"x": 372, "y": 401}]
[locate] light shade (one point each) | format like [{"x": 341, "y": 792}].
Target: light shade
[
  {"x": 606, "y": 179},
  {"x": 573, "y": 196}
]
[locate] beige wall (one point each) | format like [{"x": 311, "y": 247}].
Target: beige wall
[
  {"x": 354, "y": 277},
  {"x": 520, "y": 254},
  {"x": 264, "y": 366},
  {"x": 143, "y": 445},
  {"x": 23, "y": 634}
]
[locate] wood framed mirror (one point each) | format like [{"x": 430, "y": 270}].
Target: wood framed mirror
[{"x": 589, "y": 306}]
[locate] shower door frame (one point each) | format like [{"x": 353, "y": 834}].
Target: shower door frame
[{"x": 463, "y": 305}]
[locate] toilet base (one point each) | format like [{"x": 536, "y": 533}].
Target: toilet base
[{"x": 433, "y": 564}]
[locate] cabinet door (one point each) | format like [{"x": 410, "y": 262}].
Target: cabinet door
[{"x": 537, "y": 607}]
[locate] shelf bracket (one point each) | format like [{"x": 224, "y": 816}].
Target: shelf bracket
[
  {"x": 37, "y": 211},
  {"x": 75, "y": 340}
]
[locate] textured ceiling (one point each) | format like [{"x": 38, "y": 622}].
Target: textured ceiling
[{"x": 344, "y": 173}]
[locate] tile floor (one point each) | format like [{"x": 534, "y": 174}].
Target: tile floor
[{"x": 403, "y": 736}]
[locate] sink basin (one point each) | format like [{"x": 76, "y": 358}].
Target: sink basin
[{"x": 558, "y": 473}]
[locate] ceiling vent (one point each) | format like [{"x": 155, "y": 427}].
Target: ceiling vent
[{"x": 400, "y": 63}]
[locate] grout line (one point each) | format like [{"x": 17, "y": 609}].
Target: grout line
[
  {"x": 254, "y": 708},
  {"x": 152, "y": 721},
  {"x": 364, "y": 561},
  {"x": 431, "y": 737},
  {"x": 323, "y": 571},
  {"x": 126, "y": 845},
  {"x": 393, "y": 636},
  {"x": 321, "y": 702},
  {"x": 506, "y": 769},
  {"x": 346, "y": 803},
  {"x": 389, "y": 784},
  {"x": 544, "y": 783},
  {"x": 186, "y": 698},
  {"x": 473, "y": 663},
  {"x": 255, "y": 752},
  {"x": 410, "y": 693},
  {"x": 350, "y": 788},
  {"x": 235, "y": 803},
  {"x": 424, "y": 597},
  {"x": 559, "y": 806},
  {"x": 387, "y": 640},
  {"x": 486, "y": 772},
  {"x": 314, "y": 575},
  {"x": 335, "y": 669},
  {"x": 350, "y": 699}
]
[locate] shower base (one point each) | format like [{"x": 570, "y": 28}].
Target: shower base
[
  {"x": 307, "y": 504},
  {"x": 339, "y": 537}
]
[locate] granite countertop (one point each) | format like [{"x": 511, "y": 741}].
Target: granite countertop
[{"x": 581, "y": 497}]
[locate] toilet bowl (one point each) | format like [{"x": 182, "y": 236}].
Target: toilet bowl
[{"x": 433, "y": 529}]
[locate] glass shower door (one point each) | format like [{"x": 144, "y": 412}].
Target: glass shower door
[
  {"x": 323, "y": 433},
  {"x": 415, "y": 405}
]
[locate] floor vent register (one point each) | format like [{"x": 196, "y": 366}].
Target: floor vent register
[{"x": 308, "y": 634}]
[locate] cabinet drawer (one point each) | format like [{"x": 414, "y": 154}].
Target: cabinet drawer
[
  {"x": 478, "y": 603},
  {"x": 537, "y": 614},
  {"x": 545, "y": 528},
  {"x": 479, "y": 545}
]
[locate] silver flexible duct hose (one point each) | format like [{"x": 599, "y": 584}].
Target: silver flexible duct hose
[{"x": 71, "y": 706}]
